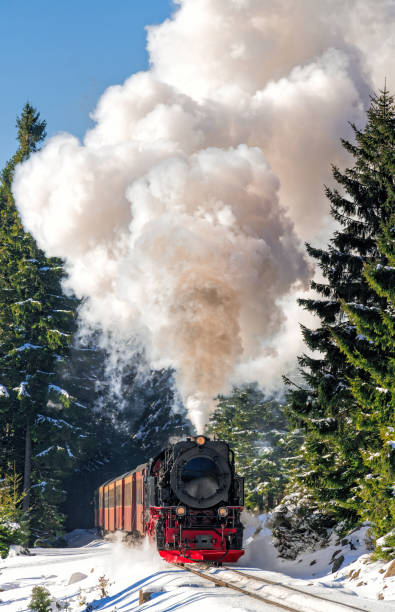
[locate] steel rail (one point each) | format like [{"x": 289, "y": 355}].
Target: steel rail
[
  {"x": 244, "y": 591},
  {"x": 230, "y": 585},
  {"x": 291, "y": 588}
]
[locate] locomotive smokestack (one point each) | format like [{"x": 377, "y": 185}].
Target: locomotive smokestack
[{"x": 180, "y": 217}]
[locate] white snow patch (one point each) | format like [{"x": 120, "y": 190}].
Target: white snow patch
[
  {"x": 57, "y": 422},
  {"x": 3, "y": 391},
  {"x": 41, "y": 484},
  {"x": 58, "y": 390},
  {"x": 44, "y": 452},
  {"x": 27, "y": 346},
  {"x": 60, "y": 333},
  {"x": 21, "y": 390},
  {"x": 16, "y": 550},
  {"x": 70, "y": 454},
  {"x": 29, "y": 300}
]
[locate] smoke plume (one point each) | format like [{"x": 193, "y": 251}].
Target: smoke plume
[{"x": 181, "y": 215}]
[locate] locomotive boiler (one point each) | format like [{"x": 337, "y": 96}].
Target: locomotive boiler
[{"x": 188, "y": 500}]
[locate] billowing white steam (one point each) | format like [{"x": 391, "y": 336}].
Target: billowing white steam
[{"x": 180, "y": 216}]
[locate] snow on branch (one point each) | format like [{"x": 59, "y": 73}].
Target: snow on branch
[
  {"x": 58, "y": 390},
  {"x": 59, "y": 423},
  {"x": 3, "y": 391},
  {"x": 21, "y": 390}
]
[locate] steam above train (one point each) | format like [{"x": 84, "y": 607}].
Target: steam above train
[{"x": 188, "y": 500}]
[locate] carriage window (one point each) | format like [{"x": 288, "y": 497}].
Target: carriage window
[
  {"x": 100, "y": 494},
  {"x": 119, "y": 500}
]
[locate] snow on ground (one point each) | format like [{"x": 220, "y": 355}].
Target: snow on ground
[
  {"x": 130, "y": 569},
  {"x": 356, "y": 576}
]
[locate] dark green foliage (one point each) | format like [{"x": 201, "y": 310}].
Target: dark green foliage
[
  {"x": 36, "y": 324},
  {"x": 7, "y": 537},
  {"x": 341, "y": 406},
  {"x": 373, "y": 385},
  {"x": 41, "y": 600},
  {"x": 31, "y": 131},
  {"x": 12, "y": 527},
  {"x": 257, "y": 431}
]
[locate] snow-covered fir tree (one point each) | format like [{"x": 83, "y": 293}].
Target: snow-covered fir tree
[
  {"x": 373, "y": 386},
  {"x": 257, "y": 431},
  {"x": 342, "y": 431},
  {"x": 36, "y": 324}
]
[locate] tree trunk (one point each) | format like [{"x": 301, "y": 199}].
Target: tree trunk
[{"x": 27, "y": 470}]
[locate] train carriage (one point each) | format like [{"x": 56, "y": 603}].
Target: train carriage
[{"x": 188, "y": 500}]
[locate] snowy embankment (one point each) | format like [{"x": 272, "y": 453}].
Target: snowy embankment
[
  {"x": 74, "y": 576},
  {"x": 355, "y": 575}
]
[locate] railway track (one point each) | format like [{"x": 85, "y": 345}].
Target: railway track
[
  {"x": 272, "y": 593},
  {"x": 291, "y": 588}
]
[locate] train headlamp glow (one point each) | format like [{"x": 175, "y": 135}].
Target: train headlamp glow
[
  {"x": 180, "y": 511},
  {"x": 200, "y": 440},
  {"x": 222, "y": 512}
]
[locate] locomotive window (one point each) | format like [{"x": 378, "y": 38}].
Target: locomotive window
[
  {"x": 200, "y": 477},
  {"x": 128, "y": 494},
  {"x": 119, "y": 501},
  {"x": 139, "y": 497}
]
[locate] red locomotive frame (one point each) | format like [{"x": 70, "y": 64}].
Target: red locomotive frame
[{"x": 123, "y": 504}]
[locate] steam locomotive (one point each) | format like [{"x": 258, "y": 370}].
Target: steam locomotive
[{"x": 188, "y": 500}]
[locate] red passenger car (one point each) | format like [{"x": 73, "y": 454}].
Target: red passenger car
[{"x": 188, "y": 500}]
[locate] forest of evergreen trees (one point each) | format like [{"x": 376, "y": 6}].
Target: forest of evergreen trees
[{"x": 331, "y": 441}]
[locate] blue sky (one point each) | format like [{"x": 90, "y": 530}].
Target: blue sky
[{"x": 61, "y": 55}]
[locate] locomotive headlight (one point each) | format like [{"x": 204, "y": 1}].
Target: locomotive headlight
[
  {"x": 222, "y": 512},
  {"x": 180, "y": 511},
  {"x": 200, "y": 440}
]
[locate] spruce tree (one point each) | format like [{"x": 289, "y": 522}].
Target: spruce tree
[
  {"x": 11, "y": 519},
  {"x": 373, "y": 386},
  {"x": 257, "y": 431},
  {"x": 327, "y": 405},
  {"x": 36, "y": 324}
]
